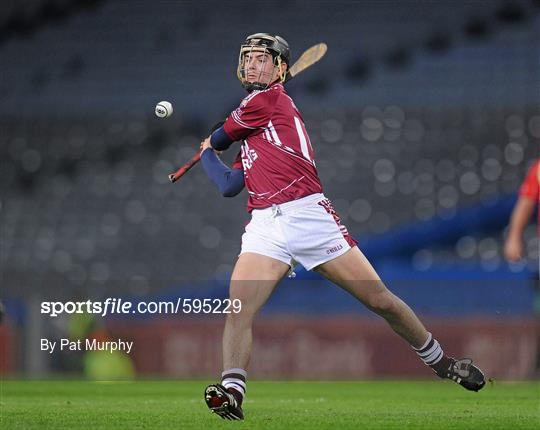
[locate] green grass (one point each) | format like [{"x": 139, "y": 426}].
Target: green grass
[{"x": 271, "y": 405}]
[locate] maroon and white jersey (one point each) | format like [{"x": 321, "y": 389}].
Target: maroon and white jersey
[{"x": 276, "y": 153}]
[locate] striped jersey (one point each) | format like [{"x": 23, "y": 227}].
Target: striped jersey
[{"x": 276, "y": 154}]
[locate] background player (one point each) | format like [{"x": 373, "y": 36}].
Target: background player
[
  {"x": 528, "y": 200},
  {"x": 292, "y": 221}
]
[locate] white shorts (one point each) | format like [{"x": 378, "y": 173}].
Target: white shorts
[{"x": 307, "y": 231}]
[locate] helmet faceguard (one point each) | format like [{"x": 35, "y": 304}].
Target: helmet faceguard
[{"x": 276, "y": 46}]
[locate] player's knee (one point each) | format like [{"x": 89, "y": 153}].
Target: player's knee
[
  {"x": 243, "y": 318},
  {"x": 384, "y": 303},
  {"x": 244, "y": 313}
]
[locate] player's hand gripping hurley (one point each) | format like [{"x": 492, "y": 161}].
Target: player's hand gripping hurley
[{"x": 306, "y": 60}]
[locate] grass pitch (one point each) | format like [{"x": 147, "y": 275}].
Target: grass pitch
[{"x": 271, "y": 405}]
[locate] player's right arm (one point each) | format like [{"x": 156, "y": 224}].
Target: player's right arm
[
  {"x": 252, "y": 115},
  {"x": 220, "y": 140},
  {"x": 229, "y": 181}
]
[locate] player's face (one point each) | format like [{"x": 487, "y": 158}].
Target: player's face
[{"x": 259, "y": 67}]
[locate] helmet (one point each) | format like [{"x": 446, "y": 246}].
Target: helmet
[{"x": 276, "y": 46}]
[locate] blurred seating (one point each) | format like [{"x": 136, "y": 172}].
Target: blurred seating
[
  {"x": 90, "y": 199},
  {"x": 125, "y": 56}
]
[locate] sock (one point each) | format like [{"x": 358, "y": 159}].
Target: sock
[
  {"x": 432, "y": 355},
  {"x": 235, "y": 382}
]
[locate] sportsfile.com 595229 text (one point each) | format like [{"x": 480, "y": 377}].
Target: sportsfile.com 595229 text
[{"x": 118, "y": 306}]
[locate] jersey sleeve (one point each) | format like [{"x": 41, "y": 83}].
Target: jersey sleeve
[
  {"x": 253, "y": 113},
  {"x": 530, "y": 186}
]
